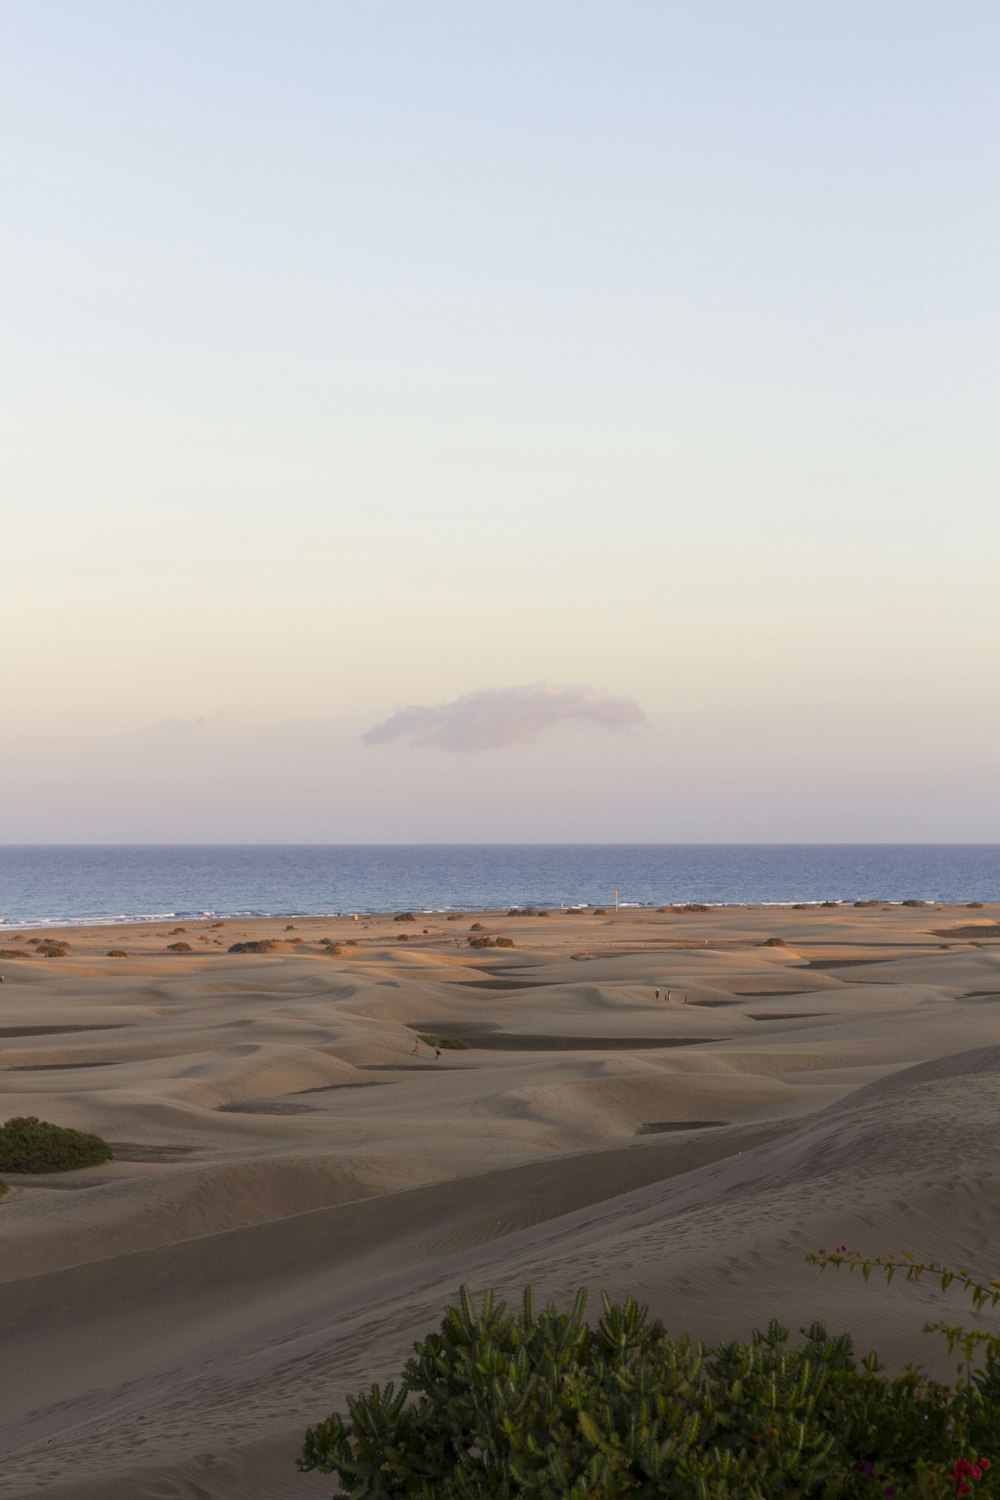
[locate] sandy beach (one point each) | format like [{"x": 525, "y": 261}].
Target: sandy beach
[{"x": 299, "y": 1187}]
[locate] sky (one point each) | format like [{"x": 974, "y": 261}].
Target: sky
[{"x": 557, "y": 420}]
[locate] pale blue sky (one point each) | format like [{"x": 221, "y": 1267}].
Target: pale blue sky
[{"x": 359, "y": 357}]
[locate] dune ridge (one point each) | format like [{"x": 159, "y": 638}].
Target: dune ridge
[{"x": 300, "y": 1185}]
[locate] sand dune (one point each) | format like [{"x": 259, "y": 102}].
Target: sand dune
[{"x": 297, "y": 1192}]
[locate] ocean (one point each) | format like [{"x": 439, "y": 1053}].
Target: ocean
[{"x": 62, "y": 884}]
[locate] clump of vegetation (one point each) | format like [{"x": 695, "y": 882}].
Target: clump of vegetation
[
  {"x": 289, "y": 926},
  {"x": 402, "y": 937},
  {"x": 177, "y": 929},
  {"x": 14, "y": 953},
  {"x": 259, "y": 945},
  {"x": 913, "y": 902},
  {"x": 800, "y": 906},
  {"x": 215, "y": 924},
  {"x": 181, "y": 947},
  {"x": 974, "y": 905},
  {"x": 34, "y": 942},
  {"x": 829, "y": 903},
  {"x": 117, "y": 953},
  {"x": 491, "y": 942},
  {"x": 543, "y": 1407},
  {"x": 405, "y": 916},
  {"x": 28, "y": 1144},
  {"x": 52, "y": 948},
  {"x": 773, "y": 943},
  {"x": 504, "y": 942},
  {"x": 477, "y": 927},
  {"x": 332, "y": 950},
  {"x": 693, "y": 906},
  {"x": 868, "y": 903},
  {"x": 524, "y": 911},
  {"x": 599, "y": 911},
  {"x": 446, "y": 1043}
]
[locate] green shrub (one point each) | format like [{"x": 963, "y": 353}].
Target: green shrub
[
  {"x": 504, "y": 942},
  {"x": 544, "y": 1407},
  {"x": 446, "y": 1043},
  {"x": 261, "y": 945},
  {"x": 179, "y": 948},
  {"x": 28, "y": 1144},
  {"x": 117, "y": 953}
]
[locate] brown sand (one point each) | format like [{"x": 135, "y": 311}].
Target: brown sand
[{"x": 296, "y": 1195}]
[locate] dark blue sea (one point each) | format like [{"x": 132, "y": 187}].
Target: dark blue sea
[{"x": 61, "y": 884}]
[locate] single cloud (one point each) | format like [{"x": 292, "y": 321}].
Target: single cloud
[{"x": 494, "y": 717}]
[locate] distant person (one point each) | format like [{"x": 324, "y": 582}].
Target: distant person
[
  {"x": 416, "y": 1045},
  {"x": 437, "y": 1053},
  {"x": 657, "y": 994}
]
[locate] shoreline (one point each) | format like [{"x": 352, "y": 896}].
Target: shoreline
[{"x": 583, "y": 909}]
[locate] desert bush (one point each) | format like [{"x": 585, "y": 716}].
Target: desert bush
[
  {"x": 773, "y": 943},
  {"x": 333, "y": 950},
  {"x": 599, "y": 911},
  {"x": 868, "y": 903},
  {"x": 446, "y": 1043},
  {"x": 476, "y": 927},
  {"x": 405, "y": 916},
  {"x": 289, "y": 926},
  {"x": 402, "y": 937},
  {"x": 913, "y": 902},
  {"x": 524, "y": 911},
  {"x": 117, "y": 953},
  {"x": 482, "y": 942},
  {"x": 52, "y": 948},
  {"x": 694, "y": 906},
  {"x": 974, "y": 905},
  {"x": 173, "y": 930},
  {"x": 504, "y": 942},
  {"x": 33, "y": 942},
  {"x": 542, "y": 1406},
  {"x": 14, "y": 953},
  {"x": 829, "y": 903},
  {"x": 259, "y": 945},
  {"x": 179, "y": 948},
  {"x": 28, "y": 1144}
]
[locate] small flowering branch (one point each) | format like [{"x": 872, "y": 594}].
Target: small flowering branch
[{"x": 977, "y": 1344}]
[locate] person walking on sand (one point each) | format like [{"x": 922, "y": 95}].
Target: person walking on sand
[
  {"x": 657, "y": 994},
  {"x": 416, "y": 1047},
  {"x": 437, "y": 1053}
]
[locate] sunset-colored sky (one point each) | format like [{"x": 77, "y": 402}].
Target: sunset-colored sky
[{"x": 555, "y": 420}]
